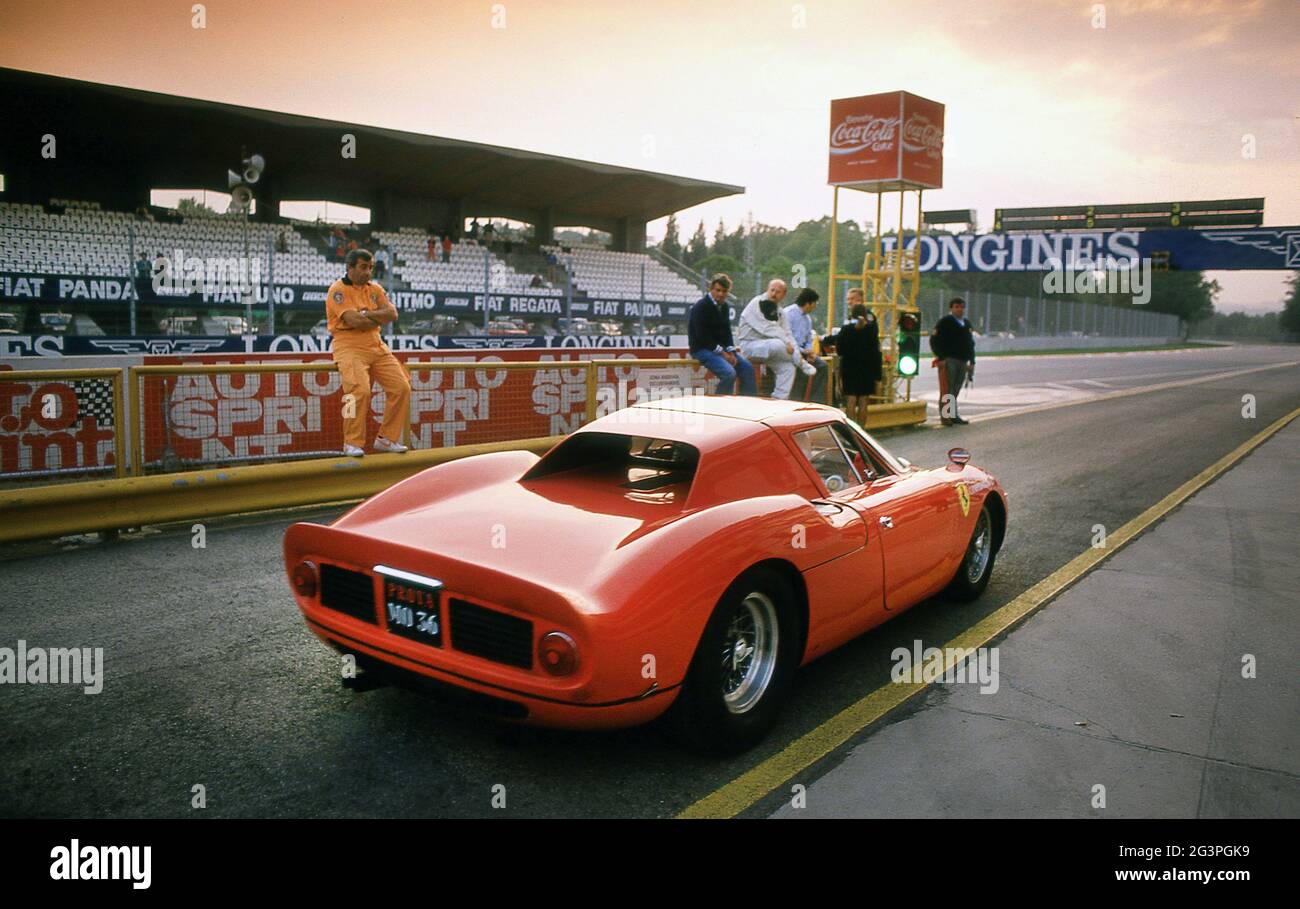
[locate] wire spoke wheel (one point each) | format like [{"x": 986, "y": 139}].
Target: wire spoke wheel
[
  {"x": 749, "y": 652},
  {"x": 981, "y": 545}
]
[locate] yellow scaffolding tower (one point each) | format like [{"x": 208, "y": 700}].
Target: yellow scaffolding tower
[{"x": 889, "y": 281}]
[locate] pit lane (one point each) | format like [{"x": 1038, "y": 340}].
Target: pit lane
[{"x": 212, "y": 679}]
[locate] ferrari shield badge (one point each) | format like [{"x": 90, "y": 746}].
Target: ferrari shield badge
[{"x": 963, "y": 496}]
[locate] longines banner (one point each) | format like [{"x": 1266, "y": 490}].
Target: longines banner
[
  {"x": 1227, "y": 248},
  {"x": 19, "y": 287},
  {"x": 67, "y": 345}
]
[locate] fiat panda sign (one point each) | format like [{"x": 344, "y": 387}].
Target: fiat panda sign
[{"x": 890, "y": 140}]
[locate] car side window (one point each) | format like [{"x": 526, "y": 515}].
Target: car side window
[
  {"x": 864, "y": 459},
  {"x": 826, "y": 455}
]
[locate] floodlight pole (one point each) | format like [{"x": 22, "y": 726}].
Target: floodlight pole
[
  {"x": 135, "y": 283},
  {"x": 248, "y": 302},
  {"x": 487, "y": 288}
]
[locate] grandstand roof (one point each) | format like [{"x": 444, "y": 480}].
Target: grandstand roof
[{"x": 187, "y": 143}]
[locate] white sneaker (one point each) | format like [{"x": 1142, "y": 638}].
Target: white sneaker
[
  {"x": 807, "y": 368},
  {"x": 353, "y": 452},
  {"x": 382, "y": 444}
]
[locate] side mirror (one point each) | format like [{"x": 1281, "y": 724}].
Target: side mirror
[
  {"x": 906, "y": 463},
  {"x": 958, "y": 458}
]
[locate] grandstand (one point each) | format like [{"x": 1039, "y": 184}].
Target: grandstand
[
  {"x": 414, "y": 185},
  {"x": 463, "y": 274},
  {"x": 611, "y": 275}
]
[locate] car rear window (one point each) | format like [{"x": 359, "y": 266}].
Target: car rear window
[{"x": 638, "y": 463}]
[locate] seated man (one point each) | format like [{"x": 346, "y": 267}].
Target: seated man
[
  {"x": 798, "y": 315},
  {"x": 765, "y": 338},
  {"x": 709, "y": 333}
]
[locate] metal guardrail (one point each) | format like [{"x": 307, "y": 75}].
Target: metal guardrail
[
  {"x": 98, "y": 505},
  {"x": 129, "y": 400}
]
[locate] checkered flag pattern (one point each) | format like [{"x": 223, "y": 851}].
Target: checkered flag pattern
[{"x": 94, "y": 399}]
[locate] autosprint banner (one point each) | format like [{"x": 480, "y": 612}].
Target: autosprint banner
[
  {"x": 26, "y": 286},
  {"x": 66, "y": 345},
  {"x": 1229, "y": 248}
]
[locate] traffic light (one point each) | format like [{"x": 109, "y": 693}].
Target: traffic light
[{"x": 909, "y": 344}]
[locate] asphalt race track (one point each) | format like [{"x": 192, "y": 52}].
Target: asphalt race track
[{"x": 211, "y": 677}]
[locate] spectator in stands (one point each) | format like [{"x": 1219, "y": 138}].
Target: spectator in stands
[
  {"x": 446, "y": 248},
  {"x": 160, "y": 266},
  {"x": 765, "y": 337},
  {"x": 799, "y": 316},
  {"x": 431, "y": 248},
  {"x": 143, "y": 287},
  {"x": 473, "y": 229},
  {"x": 282, "y": 242},
  {"x": 489, "y": 234},
  {"x": 381, "y": 263},
  {"x": 355, "y": 309},
  {"x": 709, "y": 334},
  {"x": 536, "y": 282}
]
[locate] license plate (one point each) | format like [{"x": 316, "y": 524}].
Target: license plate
[{"x": 412, "y": 606}]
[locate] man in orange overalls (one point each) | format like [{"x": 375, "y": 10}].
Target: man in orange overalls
[{"x": 355, "y": 309}]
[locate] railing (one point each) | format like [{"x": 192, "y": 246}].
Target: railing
[
  {"x": 165, "y": 419},
  {"x": 57, "y": 400}
]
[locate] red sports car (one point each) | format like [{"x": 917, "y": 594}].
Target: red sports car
[{"x": 687, "y": 553}]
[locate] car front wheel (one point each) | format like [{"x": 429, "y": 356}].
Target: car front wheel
[
  {"x": 977, "y": 564},
  {"x": 743, "y": 666}
]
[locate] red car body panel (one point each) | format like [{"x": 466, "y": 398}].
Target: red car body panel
[{"x": 632, "y": 574}]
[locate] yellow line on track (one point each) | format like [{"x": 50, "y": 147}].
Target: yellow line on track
[{"x": 755, "y": 784}]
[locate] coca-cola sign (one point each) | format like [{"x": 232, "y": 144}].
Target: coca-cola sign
[
  {"x": 920, "y": 135},
  {"x": 857, "y": 133},
  {"x": 890, "y": 139}
]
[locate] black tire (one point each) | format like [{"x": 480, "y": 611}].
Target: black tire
[
  {"x": 728, "y": 704},
  {"x": 963, "y": 585}
]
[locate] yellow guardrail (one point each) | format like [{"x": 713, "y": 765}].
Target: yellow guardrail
[{"x": 50, "y": 511}]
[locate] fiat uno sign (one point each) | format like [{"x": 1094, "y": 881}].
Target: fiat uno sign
[{"x": 888, "y": 141}]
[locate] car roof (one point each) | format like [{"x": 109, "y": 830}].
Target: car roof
[{"x": 738, "y": 407}]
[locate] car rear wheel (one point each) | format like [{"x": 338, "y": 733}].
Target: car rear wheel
[
  {"x": 743, "y": 666},
  {"x": 977, "y": 564}
]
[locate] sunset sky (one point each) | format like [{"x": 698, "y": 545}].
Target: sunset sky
[{"x": 1043, "y": 107}]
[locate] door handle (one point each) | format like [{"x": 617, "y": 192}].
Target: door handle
[{"x": 887, "y": 522}]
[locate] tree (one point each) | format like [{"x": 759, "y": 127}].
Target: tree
[
  {"x": 1185, "y": 294},
  {"x": 713, "y": 263},
  {"x": 698, "y": 248},
  {"x": 1290, "y": 321},
  {"x": 191, "y": 206},
  {"x": 672, "y": 242}
]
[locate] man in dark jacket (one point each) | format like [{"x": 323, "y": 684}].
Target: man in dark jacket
[
  {"x": 953, "y": 344},
  {"x": 709, "y": 333}
]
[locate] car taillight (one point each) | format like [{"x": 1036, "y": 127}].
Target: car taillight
[
  {"x": 557, "y": 653},
  {"x": 304, "y": 579}
]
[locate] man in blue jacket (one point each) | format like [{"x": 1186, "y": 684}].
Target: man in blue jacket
[{"x": 709, "y": 332}]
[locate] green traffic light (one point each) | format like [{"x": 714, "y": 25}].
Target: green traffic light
[{"x": 906, "y": 365}]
